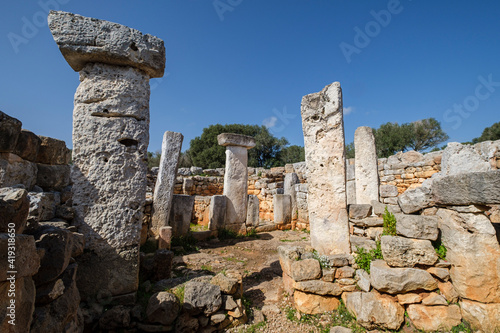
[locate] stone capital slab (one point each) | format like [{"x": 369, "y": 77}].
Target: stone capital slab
[
  {"x": 231, "y": 139},
  {"x": 84, "y": 40}
]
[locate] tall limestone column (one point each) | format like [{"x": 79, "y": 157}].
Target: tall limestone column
[
  {"x": 236, "y": 177},
  {"x": 366, "y": 166},
  {"x": 165, "y": 182},
  {"x": 110, "y": 140},
  {"x": 323, "y": 127}
]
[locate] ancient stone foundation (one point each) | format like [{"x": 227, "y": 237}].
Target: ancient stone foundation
[
  {"x": 323, "y": 127},
  {"x": 110, "y": 139}
]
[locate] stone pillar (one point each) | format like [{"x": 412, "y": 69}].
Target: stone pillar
[
  {"x": 282, "y": 208},
  {"x": 350, "y": 181},
  {"x": 236, "y": 176},
  {"x": 366, "y": 166},
  {"x": 323, "y": 127},
  {"x": 164, "y": 188},
  {"x": 291, "y": 179},
  {"x": 253, "y": 211},
  {"x": 165, "y": 239},
  {"x": 217, "y": 212},
  {"x": 180, "y": 214},
  {"x": 110, "y": 141}
]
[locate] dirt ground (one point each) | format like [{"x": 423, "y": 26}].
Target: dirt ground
[{"x": 256, "y": 258}]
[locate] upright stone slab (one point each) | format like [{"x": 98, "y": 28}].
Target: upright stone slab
[
  {"x": 180, "y": 214},
  {"x": 282, "y": 208},
  {"x": 291, "y": 179},
  {"x": 323, "y": 127},
  {"x": 366, "y": 166},
  {"x": 253, "y": 211},
  {"x": 110, "y": 140},
  {"x": 236, "y": 176},
  {"x": 164, "y": 188},
  {"x": 217, "y": 212}
]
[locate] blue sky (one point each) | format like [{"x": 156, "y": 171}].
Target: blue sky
[{"x": 251, "y": 61}]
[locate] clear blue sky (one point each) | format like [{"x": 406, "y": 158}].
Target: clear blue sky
[{"x": 254, "y": 65}]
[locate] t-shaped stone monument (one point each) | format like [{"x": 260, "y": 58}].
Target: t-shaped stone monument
[
  {"x": 323, "y": 127},
  {"x": 110, "y": 140},
  {"x": 236, "y": 177}
]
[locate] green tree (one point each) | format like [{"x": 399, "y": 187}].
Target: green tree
[
  {"x": 427, "y": 133},
  {"x": 292, "y": 154},
  {"x": 154, "y": 159},
  {"x": 205, "y": 152},
  {"x": 185, "y": 160},
  {"x": 491, "y": 133},
  {"x": 349, "y": 150}
]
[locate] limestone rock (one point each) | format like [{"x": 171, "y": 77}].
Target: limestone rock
[
  {"x": 313, "y": 304},
  {"x": 282, "y": 208},
  {"x": 53, "y": 177},
  {"x": 434, "y": 299},
  {"x": 288, "y": 255},
  {"x": 484, "y": 317},
  {"x": 344, "y": 272},
  {"x": 24, "y": 306},
  {"x": 227, "y": 284},
  {"x": 163, "y": 308},
  {"x": 308, "y": 269},
  {"x": 50, "y": 291},
  {"x": 291, "y": 179},
  {"x": 409, "y": 298},
  {"x": 363, "y": 279},
  {"x": 372, "y": 221},
  {"x": 165, "y": 182},
  {"x": 180, "y": 214},
  {"x": 358, "y": 211},
  {"x": 202, "y": 297},
  {"x": 367, "y": 188},
  {"x": 416, "y": 199},
  {"x": 459, "y": 159},
  {"x": 10, "y": 128},
  {"x": 417, "y": 226},
  {"x": 27, "y": 260},
  {"x": 253, "y": 211},
  {"x": 52, "y": 151},
  {"x": 231, "y": 139},
  {"x": 124, "y": 47},
  {"x": 14, "y": 209},
  {"x": 399, "y": 280},
  {"x": 373, "y": 310},
  {"x": 474, "y": 252},
  {"x": 440, "y": 272},
  {"x": 362, "y": 242},
  {"x": 340, "y": 329},
  {"x": 388, "y": 191},
  {"x": 448, "y": 291},
  {"x": 404, "y": 252},
  {"x": 28, "y": 145},
  {"x": 14, "y": 170},
  {"x": 319, "y": 287},
  {"x": 339, "y": 260},
  {"x": 217, "y": 212},
  {"x": 475, "y": 188},
  {"x": 322, "y": 124},
  {"x": 433, "y": 318},
  {"x": 43, "y": 205}
]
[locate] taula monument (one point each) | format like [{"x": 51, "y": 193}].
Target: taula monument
[{"x": 110, "y": 140}]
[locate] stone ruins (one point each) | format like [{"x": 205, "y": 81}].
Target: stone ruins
[{"x": 409, "y": 242}]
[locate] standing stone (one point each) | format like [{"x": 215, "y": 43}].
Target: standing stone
[
  {"x": 323, "y": 127},
  {"x": 236, "y": 176},
  {"x": 253, "y": 211},
  {"x": 366, "y": 166},
  {"x": 180, "y": 214},
  {"x": 289, "y": 188},
  {"x": 164, "y": 188},
  {"x": 165, "y": 239},
  {"x": 110, "y": 140},
  {"x": 217, "y": 212},
  {"x": 282, "y": 207}
]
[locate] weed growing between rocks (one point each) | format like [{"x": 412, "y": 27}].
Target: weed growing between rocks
[
  {"x": 324, "y": 262},
  {"x": 224, "y": 234},
  {"x": 389, "y": 223},
  {"x": 364, "y": 257},
  {"x": 178, "y": 292},
  {"x": 184, "y": 244},
  {"x": 440, "y": 249},
  {"x": 463, "y": 327}
]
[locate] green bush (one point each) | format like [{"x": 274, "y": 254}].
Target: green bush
[
  {"x": 364, "y": 257},
  {"x": 440, "y": 249},
  {"x": 389, "y": 223}
]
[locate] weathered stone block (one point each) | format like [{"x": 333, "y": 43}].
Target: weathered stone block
[
  {"x": 308, "y": 269},
  {"x": 404, "y": 252},
  {"x": 359, "y": 211},
  {"x": 388, "y": 191},
  {"x": 14, "y": 209},
  {"x": 366, "y": 174},
  {"x": 217, "y": 214},
  {"x": 399, "y": 280},
  {"x": 433, "y": 318},
  {"x": 27, "y": 261},
  {"x": 28, "y": 145},
  {"x": 14, "y": 170},
  {"x": 202, "y": 297},
  {"x": 24, "y": 306},
  {"x": 484, "y": 317},
  {"x": 53, "y": 151},
  {"x": 314, "y": 304},
  {"x": 53, "y": 177},
  {"x": 417, "y": 226},
  {"x": 282, "y": 208},
  {"x": 231, "y": 139},
  {"x": 253, "y": 211},
  {"x": 180, "y": 214},
  {"x": 318, "y": 287},
  {"x": 163, "y": 308},
  {"x": 10, "y": 128}
]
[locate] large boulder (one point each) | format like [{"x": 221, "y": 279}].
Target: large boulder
[
  {"x": 399, "y": 280},
  {"x": 163, "y": 308},
  {"x": 458, "y": 158},
  {"x": 308, "y": 269},
  {"x": 53, "y": 151},
  {"x": 14, "y": 209},
  {"x": 484, "y": 317},
  {"x": 53, "y": 177},
  {"x": 14, "y": 170},
  {"x": 202, "y": 297},
  {"x": 474, "y": 252},
  {"x": 28, "y": 145},
  {"x": 373, "y": 310},
  {"x": 10, "y": 128},
  {"x": 27, "y": 261},
  {"x": 404, "y": 252},
  {"x": 24, "y": 305},
  {"x": 417, "y": 226},
  {"x": 434, "y": 318},
  {"x": 314, "y": 304},
  {"x": 43, "y": 205},
  {"x": 414, "y": 200}
]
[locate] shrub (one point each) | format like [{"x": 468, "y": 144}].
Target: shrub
[
  {"x": 389, "y": 223},
  {"x": 440, "y": 249},
  {"x": 364, "y": 257}
]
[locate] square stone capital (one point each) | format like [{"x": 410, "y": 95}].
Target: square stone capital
[{"x": 231, "y": 139}]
